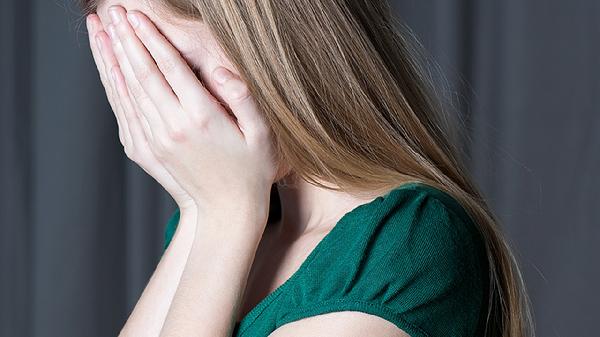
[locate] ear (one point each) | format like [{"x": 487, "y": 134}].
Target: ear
[{"x": 235, "y": 94}]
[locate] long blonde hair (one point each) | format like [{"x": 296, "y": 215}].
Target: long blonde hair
[{"x": 344, "y": 91}]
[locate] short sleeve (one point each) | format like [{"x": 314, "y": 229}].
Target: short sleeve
[
  {"x": 170, "y": 228},
  {"x": 416, "y": 261}
]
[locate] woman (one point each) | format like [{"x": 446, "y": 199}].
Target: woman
[{"x": 381, "y": 231}]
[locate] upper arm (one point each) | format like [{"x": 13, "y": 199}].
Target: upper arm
[{"x": 340, "y": 324}]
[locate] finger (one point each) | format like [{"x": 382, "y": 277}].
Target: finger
[
  {"x": 144, "y": 104},
  {"x": 110, "y": 62},
  {"x": 237, "y": 97},
  {"x": 94, "y": 25},
  {"x": 145, "y": 125},
  {"x": 132, "y": 112},
  {"x": 138, "y": 134},
  {"x": 144, "y": 68},
  {"x": 189, "y": 90},
  {"x": 130, "y": 144}
]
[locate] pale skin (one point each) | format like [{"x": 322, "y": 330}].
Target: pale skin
[{"x": 171, "y": 125}]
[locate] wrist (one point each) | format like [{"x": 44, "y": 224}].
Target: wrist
[
  {"x": 187, "y": 206},
  {"x": 226, "y": 236},
  {"x": 188, "y": 216},
  {"x": 232, "y": 223},
  {"x": 246, "y": 204}
]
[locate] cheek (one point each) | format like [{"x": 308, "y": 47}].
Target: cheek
[{"x": 208, "y": 55}]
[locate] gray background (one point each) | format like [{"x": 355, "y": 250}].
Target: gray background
[{"x": 82, "y": 226}]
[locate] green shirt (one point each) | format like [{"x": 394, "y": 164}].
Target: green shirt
[{"x": 413, "y": 257}]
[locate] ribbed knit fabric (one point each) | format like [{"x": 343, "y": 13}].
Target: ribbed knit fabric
[{"x": 413, "y": 257}]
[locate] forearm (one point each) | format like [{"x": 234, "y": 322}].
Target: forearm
[
  {"x": 151, "y": 309},
  {"x": 209, "y": 295}
]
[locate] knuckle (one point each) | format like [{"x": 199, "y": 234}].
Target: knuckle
[
  {"x": 177, "y": 134},
  {"x": 164, "y": 147},
  {"x": 239, "y": 93},
  {"x": 111, "y": 70},
  {"x": 118, "y": 49},
  {"x": 122, "y": 33},
  {"x": 144, "y": 106},
  {"x": 143, "y": 73},
  {"x": 200, "y": 121},
  {"x": 118, "y": 29},
  {"x": 168, "y": 66},
  {"x": 157, "y": 148},
  {"x": 137, "y": 92}
]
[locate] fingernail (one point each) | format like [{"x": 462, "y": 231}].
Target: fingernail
[
  {"x": 133, "y": 20},
  {"x": 114, "y": 15},
  {"x": 222, "y": 75}
]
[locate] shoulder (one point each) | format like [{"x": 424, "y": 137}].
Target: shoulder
[
  {"x": 426, "y": 226},
  {"x": 412, "y": 258}
]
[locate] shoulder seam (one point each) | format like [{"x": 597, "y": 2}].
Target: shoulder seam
[{"x": 468, "y": 224}]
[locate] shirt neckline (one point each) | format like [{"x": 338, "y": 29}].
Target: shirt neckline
[{"x": 255, "y": 312}]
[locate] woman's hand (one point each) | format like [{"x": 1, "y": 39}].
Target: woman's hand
[
  {"x": 175, "y": 128},
  {"x": 129, "y": 120}
]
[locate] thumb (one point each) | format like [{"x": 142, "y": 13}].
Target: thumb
[{"x": 236, "y": 95}]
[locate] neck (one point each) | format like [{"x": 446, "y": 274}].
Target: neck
[{"x": 307, "y": 208}]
